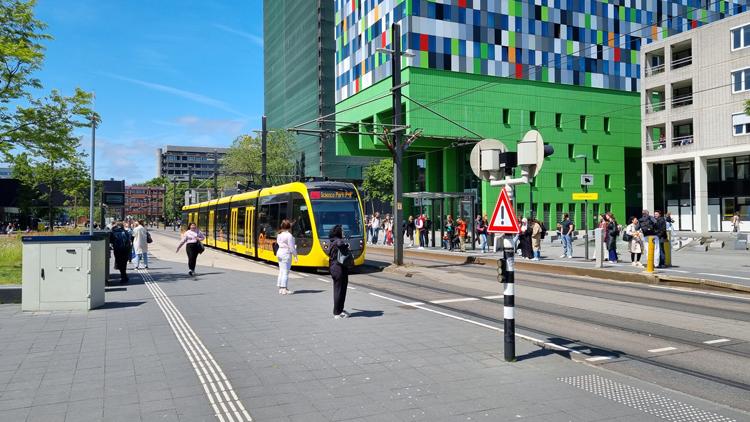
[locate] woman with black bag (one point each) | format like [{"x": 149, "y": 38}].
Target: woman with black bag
[
  {"x": 339, "y": 260},
  {"x": 193, "y": 246}
]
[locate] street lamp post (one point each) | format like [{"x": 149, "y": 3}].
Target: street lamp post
[
  {"x": 93, "y": 181},
  {"x": 585, "y": 208}
]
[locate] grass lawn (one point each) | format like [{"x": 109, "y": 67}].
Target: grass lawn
[
  {"x": 10, "y": 260},
  {"x": 11, "y": 254}
]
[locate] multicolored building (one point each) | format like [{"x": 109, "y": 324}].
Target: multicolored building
[{"x": 567, "y": 68}]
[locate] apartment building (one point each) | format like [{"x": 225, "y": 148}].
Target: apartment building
[
  {"x": 695, "y": 133},
  {"x": 144, "y": 202},
  {"x": 179, "y": 162}
]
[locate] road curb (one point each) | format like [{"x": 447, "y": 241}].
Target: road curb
[
  {"x": 10, "y": 294},
  {"x": 541, "y": 267}
]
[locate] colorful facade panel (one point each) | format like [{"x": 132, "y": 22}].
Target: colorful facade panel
[{"x": 593, "y": 43}]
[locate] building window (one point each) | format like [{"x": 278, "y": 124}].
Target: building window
[
  {"x": 506, "y": 116},
  {"x": 583, "y": 122},
  {"x": 607, "y": 128},
  {"x": 571, "y": 151},
  {"x": 743, "y": 167},
  {"x": 741, "y": 80},
  {"x": 607, "y": 181},
  {"x": 532, "y": 118},
  {"x": 727, "y": 169},
  {"x": 712, "y": 170},
  {"x": 740, "y": 37},
  {"x": 740, "y": 124},
  {"x": 559, "y": 180},
  {"x": 596, "y": 152},
  {"x": 558, "y": 120}
]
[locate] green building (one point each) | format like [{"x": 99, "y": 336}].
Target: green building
[
  {"x": 500, "y": 68},
  {"x": 299, "y": 51}
]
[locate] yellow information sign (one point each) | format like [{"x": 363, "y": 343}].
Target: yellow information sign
[{"x": 586, "y": 196}]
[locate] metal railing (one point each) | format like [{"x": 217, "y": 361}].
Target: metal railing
[
  {"x": 685, "y": 61},
  {"x": 682, "y": 100},
  {"x": 655, "y": 70},
  {"x": 655, "y": 107},
  {"x": 656, "y": 144},
  {"x": 679, "y": 141}
]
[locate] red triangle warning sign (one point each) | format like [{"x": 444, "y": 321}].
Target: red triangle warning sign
[{"x": 503, "y": 218}]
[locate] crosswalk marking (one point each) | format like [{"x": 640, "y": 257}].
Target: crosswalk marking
[
  {"x": 460, "y": 299},
  {"x": 663, "y": 349},
  {"x": 719, "y": 340}
]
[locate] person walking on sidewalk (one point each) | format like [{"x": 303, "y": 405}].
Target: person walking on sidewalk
[
  {"x": 192, "y": 240},
  {"x": 286, "y": 251},
  {"x": 339, "y": 271},
  {"x": 410, "y": 231},
  {"x": 536, "y": 239},
  {"x": 375, "y": 223},
  {"x": 419, "y": 226},
  {"x": 449, "y": 230},
  {"x": 140, "y": 244},
  {"x": 634, "y": 237},
  {"x": 566, "y": 233},
  {"x": 736, "y": 222},
  {"x": 661, "y": 234},
  {"x": 461, "y": 230},
  {"x": 482, "y": 233},
  {"x": 613, "y": 231},
  {"x": 121, "y": 247},
  {"x": 388, "y": 226}
]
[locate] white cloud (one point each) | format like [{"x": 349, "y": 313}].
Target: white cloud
[
  {"x": 192, "y": 96},
  {"x": 258, "y": 40}
]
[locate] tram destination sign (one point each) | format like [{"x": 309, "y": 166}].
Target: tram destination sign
[{"x": 332, "y": 194}]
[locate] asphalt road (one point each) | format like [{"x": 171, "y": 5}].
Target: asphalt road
[{"x": 694, "y": 342}]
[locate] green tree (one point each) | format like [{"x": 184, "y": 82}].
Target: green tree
[
  {"x": 747, "y": 107},
  {"x": 244, "y": 157},
  {"x": 39, "y": 126},
  {"x": 378, "y": 181}
]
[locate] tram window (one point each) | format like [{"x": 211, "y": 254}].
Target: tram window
[
  {"x": 221, "y": 224},
  {"x": 203, "y": 219},
  {"x": 241, "y": 226}
]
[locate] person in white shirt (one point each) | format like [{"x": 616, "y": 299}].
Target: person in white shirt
[
  {"x": 192, "y": 240},
  {"x": 140, "y": 244},
  {"x": 375, "y": 228},
  {"x": 287, "y": 250}
]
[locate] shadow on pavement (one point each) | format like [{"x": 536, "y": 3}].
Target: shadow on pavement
[
  {"x": 535, "y": 354},
  {"x": 116, "y": 305},
  {"x": 360, "y": 313},
  {"x": 116, "y": 289},
  {"x": 297, "y": 292}
]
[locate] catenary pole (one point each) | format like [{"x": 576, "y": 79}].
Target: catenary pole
[
  {"x": 92, "y": 181},
  {"x": 398, "y": 244},
  {"x": 586, "y": 211},
  {"x": 263, "y": 146}
]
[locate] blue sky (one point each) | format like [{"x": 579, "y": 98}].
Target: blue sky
[{"x": 164, "y": 72}]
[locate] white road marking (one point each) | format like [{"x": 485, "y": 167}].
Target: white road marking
[
  {"x": 663, "y": 349},
  {"x": 324, "y": 280},
  {"x": 206, "y": 368},
  {"x": 676, "y": 271},
  {"x": 481, "y": 324},
  {"x": 351, "y": 288},
  {"x": 493, "y": 297},
  {"x": 460, "y": 299},
  {"x": 304, "y": 275},
  {"x": 728, "y": 276},
  {"x": 719, "y": 340},
  {"x": 598, "y": 358}
]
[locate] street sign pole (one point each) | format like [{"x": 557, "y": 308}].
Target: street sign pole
[
  {"x": 509, "y": 297},
  {"x": 586, "y": 213}
]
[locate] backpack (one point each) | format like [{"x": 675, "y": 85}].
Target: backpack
[
  {"x": 344, "y": 256},
  {"x": 647, "y": 225},
  {"x": 121, "y": 240},
  {"x": 544, "y": 229}
]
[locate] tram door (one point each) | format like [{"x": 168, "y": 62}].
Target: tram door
[
  {"x": 233, "y": 230},
  {"x": 250, "y": 231},
  {"x": 210, "y": 236}
]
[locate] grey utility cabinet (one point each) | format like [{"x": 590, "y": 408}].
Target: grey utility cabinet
[{"x": 63, "y": 273}]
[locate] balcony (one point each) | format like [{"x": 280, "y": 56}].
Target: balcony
[
  {"x": 682, "y": 94},
  {"x": 682, "y": 55},
  {"x": 655, "y": 100},
  {"x": 655, "y": 62},
  {"x": 656, "y": 138},
  {"x": 682, "y": 133}
]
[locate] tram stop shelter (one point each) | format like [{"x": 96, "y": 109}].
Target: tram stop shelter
[{"x": 466, "y": 210}]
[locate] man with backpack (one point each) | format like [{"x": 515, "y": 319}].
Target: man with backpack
[
  {"x": 340, "y": 261},
  {"x": 661, "y": 236},
  {"x": 648, "y": 227},
  {"x": 121, "y": 247}
]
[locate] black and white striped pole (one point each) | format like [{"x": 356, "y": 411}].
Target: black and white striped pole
[{"x": 506, "y": 275}]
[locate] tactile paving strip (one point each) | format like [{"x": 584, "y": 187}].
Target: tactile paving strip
[{"x": 636, "y": 398}]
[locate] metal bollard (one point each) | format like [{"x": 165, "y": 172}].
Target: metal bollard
[
  {"x": 650, "y": 255},
  {"x": 668, "y": 251}
]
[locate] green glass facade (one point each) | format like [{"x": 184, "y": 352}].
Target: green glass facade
[
  {"x": 602, "y": 124},
  {"x": 299, "y": 50}
]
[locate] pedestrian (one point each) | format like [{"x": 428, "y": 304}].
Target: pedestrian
[
  {"x": 410, "y": 227},
  {"x": 524, "y": 239},
  {"x": 428, "y": 230},
  {"x": 449, "y": 232},
  {"x": 536, "y": 239},
  {"x": 482, "y": 233},
  {"x": 339, "y": 271},
  {"x": 121, "y": 247},
  {"x": 613, "y": 231},
  {"x": 566, "y": 234},
  {"x": 375, "y": 223},
  {"x": 634, "y": 237},
  {"x": 661, "y": 236},
  {"x": 192, "y": 240},
  {"x": 419, "y": 228},
  {"x": 736, "y": 222},
  {"x": 287, "y": 250},
  {"x": 647, "y": 224},
  {"x": 368, "y": 219},
  {"x": 461, "y": 230},
  {"x": 140, "y": 244},
  {"x": 477, "y": 223},
  {"x": 388, "y": 227}
]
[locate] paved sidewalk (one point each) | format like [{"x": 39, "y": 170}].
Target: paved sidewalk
[{"x": 159, "y": 346}]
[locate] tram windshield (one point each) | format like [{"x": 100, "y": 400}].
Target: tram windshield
[{"x": 328, "y": 213}]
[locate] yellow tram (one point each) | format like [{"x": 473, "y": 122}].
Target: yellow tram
[{"x": 246, "y": 223}]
